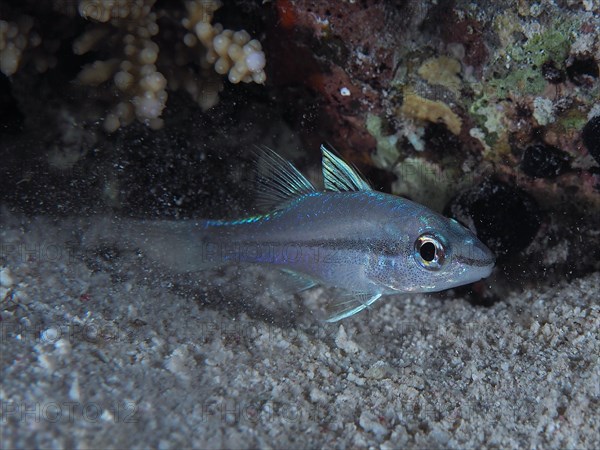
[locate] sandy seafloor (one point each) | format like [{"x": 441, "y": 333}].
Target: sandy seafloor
[{"x": 112, "y": 354}]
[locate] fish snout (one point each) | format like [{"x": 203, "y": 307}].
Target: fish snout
[
  {"x": 483, "y": 254},
  {"x": 476, "y": 255}
]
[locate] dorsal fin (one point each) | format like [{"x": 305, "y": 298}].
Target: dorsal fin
[
  {"x": 278, "y": 181},
  {"x": 339, "y": 175}
]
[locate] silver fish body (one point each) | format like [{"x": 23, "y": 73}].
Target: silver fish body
[
  {"x": 362, "y": 242},
  {"x": 359, "y": 241}
]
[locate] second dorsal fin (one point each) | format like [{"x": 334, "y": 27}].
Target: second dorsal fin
[
  {"x": 278, "y": 181},
  {"x": 339, "y": 175}
]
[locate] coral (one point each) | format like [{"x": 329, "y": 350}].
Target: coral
[
  {"x": 139, "y": 74},
  {"x": 516, "y": 66},
  {"x": 18, "y": 37},
  {"x": 13, "y": 40},
  {"x": 144, "y": 61},
  {"x": 426, "y": 182},
  {"x": 134, "y": 71},
  {"x": 386, "y": 153},
  {"x": 488, "y": 113},
  {"x": 543, "y": 111},
  {"x": 232, "y": 53},
  {"x": 432, "y": 111},
  {"x": 74, "y": 143}
]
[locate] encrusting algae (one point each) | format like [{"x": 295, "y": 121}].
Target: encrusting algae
[
  {"x": 421, "y": 108},
  {"x": 442, "y": 71}
]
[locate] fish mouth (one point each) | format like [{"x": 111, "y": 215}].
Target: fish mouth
[
  {"x": 477, "y": 255},
  {"x": 490, "y": 262}
]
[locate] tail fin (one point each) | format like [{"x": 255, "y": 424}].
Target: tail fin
[{"x": 179, "y": 246}]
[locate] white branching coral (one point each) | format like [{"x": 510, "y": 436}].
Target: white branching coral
[
  {"x": 111, "y": 10},
  {"x": 143, "y": 61},
  {"x": 13, "y": 40},
  {"x": 18, "y": 37},
  {"x": 134, "y": 72},
  {"x": 232, "y": 52}
]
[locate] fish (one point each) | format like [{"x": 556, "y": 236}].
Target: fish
[{"x": 362, "y": 243}]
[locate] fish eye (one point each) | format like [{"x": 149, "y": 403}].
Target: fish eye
[{"x": 430, "y": 253}]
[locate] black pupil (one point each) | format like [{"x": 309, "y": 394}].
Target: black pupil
[{"x": 427, "y": 251}]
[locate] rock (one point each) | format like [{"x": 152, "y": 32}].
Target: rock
[
  {"x": 6, "y": 278},
  {"x": 553, "y": 74},
  {"x": 582, "y": 70},
  {"x": 544, "y": 161},
  {"x": 345, "y": 343},
  {"x": 504, "y": 217},
  {"x": 591, "y": 137}
]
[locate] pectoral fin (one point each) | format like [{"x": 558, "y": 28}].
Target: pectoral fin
[{"x": 349, "y": 304}]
